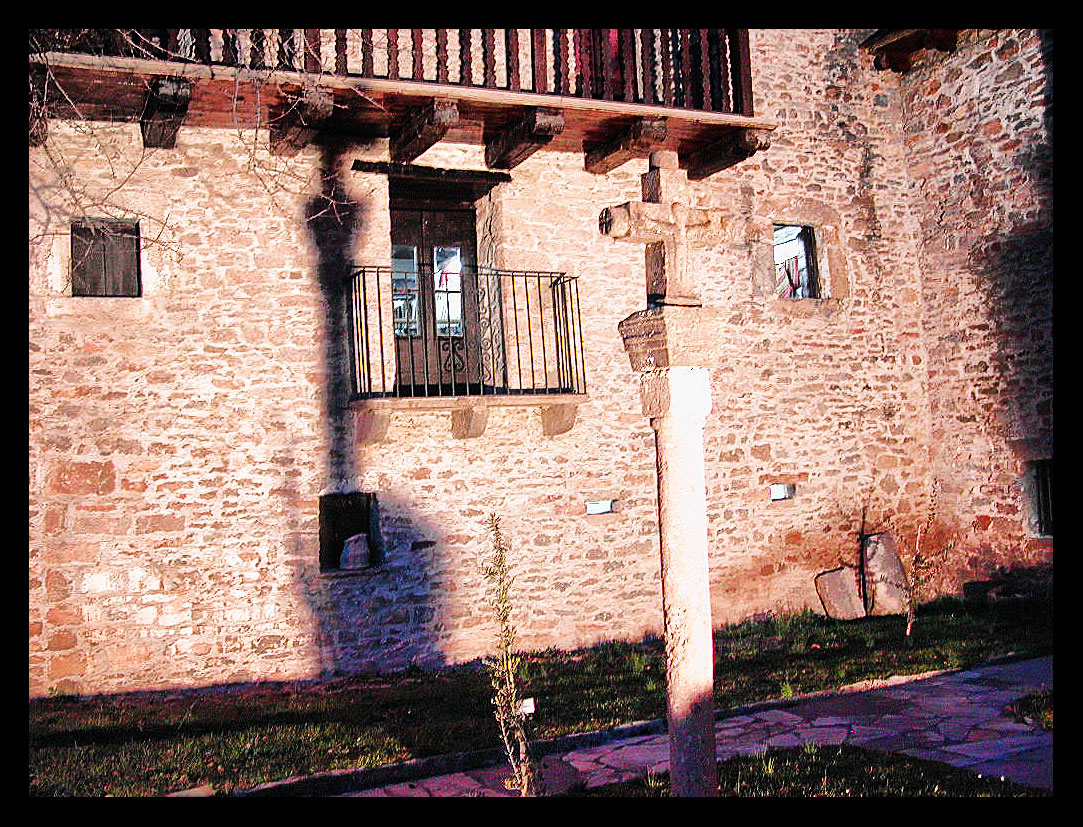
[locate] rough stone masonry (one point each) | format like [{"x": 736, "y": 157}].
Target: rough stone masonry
[{"x": 179, "y": 442}]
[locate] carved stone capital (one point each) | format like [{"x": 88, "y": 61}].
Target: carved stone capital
[
  {"x": 667, "y": 335},
  {"x": 680, "y": 392},
  {"x": 645, "y": 342}
]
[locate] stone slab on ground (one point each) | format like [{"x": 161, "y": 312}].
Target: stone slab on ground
[{"x": 840, "y": 593}]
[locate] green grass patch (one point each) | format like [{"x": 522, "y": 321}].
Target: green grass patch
[
  {"x": 831, "y": 772},
  {"x": 145, "y": 744},
  {"x": 1035, "y": 708}
]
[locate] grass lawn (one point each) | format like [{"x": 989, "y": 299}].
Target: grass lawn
[
  {"x": 146, "y": 744},
  {"x": 832, "y": 772}
]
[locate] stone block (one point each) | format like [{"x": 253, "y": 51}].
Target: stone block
[
  {"x": 355, "y": 552},
  {"x": 840, "y": 593},
  {"x": 558, "y": 419},
  {"x": 82, "y": 478},
  {"x": 467, "y": 423},
  {"x": 885, "y": 577}
]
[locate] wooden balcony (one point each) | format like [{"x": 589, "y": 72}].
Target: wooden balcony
[{"x": 611, "y": 94}]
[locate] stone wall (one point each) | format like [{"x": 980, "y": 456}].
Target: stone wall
[
  {"x": 179, "y": 443},
  {"x": 977, "y": 128}
]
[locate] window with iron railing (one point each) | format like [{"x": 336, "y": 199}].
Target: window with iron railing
[{"x": 454, "y": 330}]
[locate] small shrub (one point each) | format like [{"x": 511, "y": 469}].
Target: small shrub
[{"x": 504, "y": 669}]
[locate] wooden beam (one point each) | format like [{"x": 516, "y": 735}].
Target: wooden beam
[
  {"x": 416, "y": 181},
  {"x": 894, "y": 49},
  {"x": 165, "y": 111},
  {"x": 638, "y": 141},
  {"x": 522, "y": 139},
  {"x": 425, "y": 126},
  {"x": 298, "y": 123},
  {"x": 732, "y": 149}
]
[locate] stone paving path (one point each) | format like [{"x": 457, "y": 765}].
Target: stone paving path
[{"x": 954, "y": 717}]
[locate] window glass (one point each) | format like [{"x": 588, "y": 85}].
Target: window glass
[
  {"x": 447, "y": 290},
  {"x": 795, "y": 263},
  {"x": 404, "y": 290}
]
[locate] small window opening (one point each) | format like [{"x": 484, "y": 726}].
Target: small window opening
[
  {"x": 1043, "y": 496},
  {"x": 782, "y": 491},
  {"x": 796, "y": 276},
  {"x": 349, "y": 532},
  {"x": 105, "y": 258}
]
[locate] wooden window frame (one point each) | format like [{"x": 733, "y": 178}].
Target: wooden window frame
[{"x": 105, "y": 258}]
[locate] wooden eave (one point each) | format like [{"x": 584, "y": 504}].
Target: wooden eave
[
  {"x": 895, "y": 49},
  {"x": 116, "y": 89}
]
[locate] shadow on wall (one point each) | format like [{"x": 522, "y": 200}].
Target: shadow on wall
[
  {"x": 378, "y": 612},
  {"x": 1017, "y": 269},
  {"x": 333, "y": 218},
  {"x": 384, "y": 616}
]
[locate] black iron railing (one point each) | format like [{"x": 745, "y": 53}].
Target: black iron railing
[
  {"x": 473, "y": 332},
  {"x": 699, "y": 69}
]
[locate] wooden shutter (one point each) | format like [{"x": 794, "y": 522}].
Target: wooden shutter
[{"x": 105, "y": 258}]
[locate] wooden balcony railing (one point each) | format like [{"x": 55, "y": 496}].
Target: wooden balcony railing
[{"x": 691, "y": 69}]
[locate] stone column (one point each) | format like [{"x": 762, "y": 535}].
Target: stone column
[
  {"x": 661, "y": 342},
  {"x": 677, "y": 401}
]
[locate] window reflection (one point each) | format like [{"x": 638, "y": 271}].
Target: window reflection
[
  {"x": 404, "y": 290},
  {"x": 447, "y": 290},
  {"x": 795, "y": 263}
]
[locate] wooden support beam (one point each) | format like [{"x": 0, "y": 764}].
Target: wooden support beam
[
  {"x": 297, "y": 124},
  {"x": 894, "y": 49},
  {"x": 425, "y": 126},
  {"x": 735, "y": 147},
  {"x": 165, "y": 111},
  {"x": 523, "y": 138},
  {"x": 638, "y": 141}
]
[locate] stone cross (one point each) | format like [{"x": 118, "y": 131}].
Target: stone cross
[
  {"x": 664, "y": 222},
  {"x": 676, "y": 398}
]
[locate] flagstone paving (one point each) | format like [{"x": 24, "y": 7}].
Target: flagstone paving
[{"x": 954, "y": 717}]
